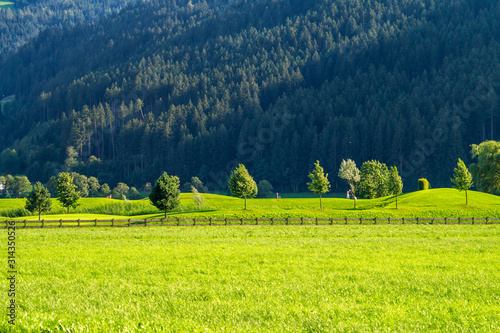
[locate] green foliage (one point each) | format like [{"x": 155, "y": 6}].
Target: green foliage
[
  {"x": 462, "y": 179},
  {"x": 485, "y": 172},
  {"x": 105, "y": 190},
  {"x": 39, "y": 200},
  {"x": 350, "y": 173},
  {"x": 165, "y": 193},
  {"x": 82, "y": 184},
  {"x": 241, "y": 184},
  {"x": 319, "y": 182},
  {"x": 94, "y": 186},
  {"x": 198, "y": 184},
  {"x": 265, "y": 189},
  {"x": 394, "y": 183},
  {"x": 133, "y": 194},
  {"x": 120, "y": 191},
  {"x": 373, "y": 180},
  {"x": 66, "y": 191},
  {"x": 423, "y": 184},
  {"x": 197, "y": 198}
]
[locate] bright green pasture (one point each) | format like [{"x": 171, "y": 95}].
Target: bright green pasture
[
  {"x": 258, "y": 279},
  {"x": 431, "y": 203}
]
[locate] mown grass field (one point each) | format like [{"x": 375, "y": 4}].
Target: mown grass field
[
  {"x": 259, "y": 279},
  {"x": 435, "y": 203}
]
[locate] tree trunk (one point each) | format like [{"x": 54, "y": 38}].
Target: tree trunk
[
  {"x": 466, "y": 198},
  {"x": 67, "y": 211},
  {"x": 165, "y": 213},
  {"x": 320, "y": 204},
  {"x": 355, "y": 203},
  {"x": 245, "y": 203},
  {"x": 396, "y": 201},
  {"x": 39, "y": 215}
]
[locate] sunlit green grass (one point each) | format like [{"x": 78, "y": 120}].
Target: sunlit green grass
[
  {"x": 259, "y": 279},
  {"x": 426, "y": 204}
]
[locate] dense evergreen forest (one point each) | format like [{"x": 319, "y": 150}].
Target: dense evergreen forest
[
  {"x": 24, "y": 20},
  {"x": 195, "y": 87}
]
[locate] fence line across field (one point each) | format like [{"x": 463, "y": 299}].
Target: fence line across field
[{"x": 244, "y": 221}]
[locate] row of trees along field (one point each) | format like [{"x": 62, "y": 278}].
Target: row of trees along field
[
  {"x": 374, "y": 180},
  {"x": 275, "y": 85}
]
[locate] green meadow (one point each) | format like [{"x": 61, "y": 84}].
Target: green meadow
[
  {"x": 377, "y": 278},
  {"x": 425, "y": 204}
]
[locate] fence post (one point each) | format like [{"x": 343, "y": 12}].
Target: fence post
[
  {"x": 25, "y": 223},
  {"x": 316, "y": 221},
  {"x": 389, "y": 220},
  {"x": 445, "y": 220},
  {"x": 487, "y": 220},
  {"x": 375, "y": 220},
  {"x": 432, "y": 221},
  {"x": 178, "y": 221},
  {"x": 459, "y": 220},
  {"x": 145, "y": 223},
  {"x": 112, "y": 223},
  {"x": 256, "y": 221},
  {"x": 360, "y": 220},
  {"x": 42, "y": 223},
  {"x": 403, "y": 220},
  {"x": 210, "y": 222},
  {"x": 418, "y": 220},
  {"x": 287, "y": 221},
  {"x": 60, "y": 223},
  {"x": 472, "y": 220},
  {"x": 225, "y": 220},
  {"x": 346, "y": 220},
  {"x": 272, "y": 220},
  {"x": 161, "y": 222},
  {"x": 241, "y": 221},
  {"x": 301, "y": 221},
  {"x": 194, "y": 222},
  {"x": 129, "y": 224},
  {"x": 331, "y": 221}
]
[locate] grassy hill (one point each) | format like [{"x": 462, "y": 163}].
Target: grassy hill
[{"x": 431, "y": 203}]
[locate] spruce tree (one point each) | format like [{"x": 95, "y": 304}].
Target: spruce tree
[
  {"x": 39, "y": 200},
  {"x": 241, "y": 184},
  {"x": 462, "y": 179},
  {"x": 165, "y": 193},
  {"x": 319, "y": 182},
  {"x": 66, "y": 191}
]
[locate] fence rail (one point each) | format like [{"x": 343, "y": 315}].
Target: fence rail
[{"x": 243, "y": 221}]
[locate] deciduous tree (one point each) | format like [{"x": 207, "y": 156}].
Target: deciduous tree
[{"x": 319, "y": 182}]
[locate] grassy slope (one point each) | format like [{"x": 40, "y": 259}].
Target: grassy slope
[
  {"x": 431, "y": 203},
  {"x": 265, "y": 279}
]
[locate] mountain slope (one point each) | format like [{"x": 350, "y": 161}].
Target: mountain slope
[{"x": 196, "y": 87}]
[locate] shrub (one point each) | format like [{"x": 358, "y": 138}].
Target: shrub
[
  {"x": 374, "y": 180},
  {"x": 265, "y": 189},
  {"x": 423, "y": 184}
]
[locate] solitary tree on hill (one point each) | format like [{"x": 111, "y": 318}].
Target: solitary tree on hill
[
  {"x": 394, "y": 183},
  {"x": 66, "y": 191},
  {"x": 39, "y": 200},
  {"x": 319, "y": 182},
  {"x": 462, "y": 179},
  {"x": 241, "y": 184},
  {"x": 165, "y": 193}
]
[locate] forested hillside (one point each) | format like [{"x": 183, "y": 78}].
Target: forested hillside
[
  {"x": 26, "y": 18},
  {"x": 193, "y": 87}
]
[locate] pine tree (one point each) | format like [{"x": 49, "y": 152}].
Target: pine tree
[
  {"x": 319, "y": 182},
  {"x": 241, "y": 184},
  {"x": 462, "y": 179},
  {"x": 66, "y": 191},
  {"x": 394, "y": 183},
  {"x": 165, "y": 193},
  {"x": 39, "y": 200}
]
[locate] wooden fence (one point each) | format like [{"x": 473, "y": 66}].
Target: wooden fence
[{"x": 257, "y": 221}]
